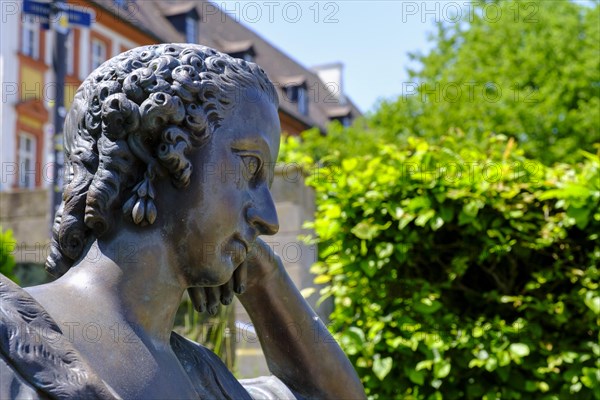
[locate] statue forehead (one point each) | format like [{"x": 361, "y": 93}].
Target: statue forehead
[{"x": 252, "y": 120}]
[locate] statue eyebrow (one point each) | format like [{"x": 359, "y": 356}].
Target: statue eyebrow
[{"x": 259, "y": 145}]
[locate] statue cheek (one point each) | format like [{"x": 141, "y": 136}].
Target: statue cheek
[{"x": 230, "y": 204}]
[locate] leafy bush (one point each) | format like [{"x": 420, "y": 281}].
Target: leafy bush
[
  {"x": 458, "y": 272},
  {"x": 530, "y": 69},
  {"x": 7, "y": 261}
]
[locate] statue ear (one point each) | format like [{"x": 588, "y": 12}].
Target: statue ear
[
  {"x": 171, "y": 160},
  {"x": 162, "y": 147},
  {"x": 140, "y": 207}
]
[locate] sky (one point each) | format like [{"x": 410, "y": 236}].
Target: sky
[{"x": 371, "y": 38}]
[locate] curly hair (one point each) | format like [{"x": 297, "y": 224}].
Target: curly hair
[{"x": 136, "y": 115}]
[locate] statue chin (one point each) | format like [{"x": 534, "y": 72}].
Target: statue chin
[{"x": 212, "y": 281}]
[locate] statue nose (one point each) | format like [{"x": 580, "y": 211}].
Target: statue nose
[{"x": 263, "y": 216}]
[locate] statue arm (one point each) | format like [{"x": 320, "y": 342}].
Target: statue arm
[{"x": 298, "y": 348}]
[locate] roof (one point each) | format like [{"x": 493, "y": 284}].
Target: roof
[
  {"x": 235, "y": 47},
  {"x": 293, "y": 80},
  {"x": 222, "y": 32},
  {"x": 145, "y": 16},
  {"x": 339, "y": 111},
  {"x": 179, "y": 7}
]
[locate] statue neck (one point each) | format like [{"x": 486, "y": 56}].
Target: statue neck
[{"x": 133, "y": 278}]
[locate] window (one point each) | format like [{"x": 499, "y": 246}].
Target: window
[
  {"x": 30, "y": 37},
  {"x": 70, "y": 45},
  {"x": 291, "y": 93},
  {"x": 191, "y": 29},
  {"x": 297, "y": 94},
  {"x": 98, "y": 53},
  {"x": 27, "y": 147},
  {"x": 244, "y": 55},
  {"x": 302, "y": 101}
]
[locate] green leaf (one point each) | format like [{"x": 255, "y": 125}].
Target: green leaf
[
  {"x": 425, "y": 364},
  {"x": 418, "y": 203},
  {"x": 441, "y": 370},
  {"x": 363, "y": 248},
  {"x": 307, "y": 292},
  {"x": 427, "y": 306},
  {"x": 530, "y": 386},
  {"x": 320, "y": 279},
  {"x": 437, "y": 223},
  {"x": 332, "y": 211},
  {"x": 382, "y": 367},
  {"x": 472, "y": 208},
  {"x": 369, "y": 267},
  {"x": 417, "y": 377},
  {"x": 384, "y": 250},
  {"x": 593, "y": 302},
  {"x": 591, "y": 378},
  {"x": 368, "y": 230},
  {"x": 352, "y": 340},
  {"x": 447, "y": 213},
  {"x": 519, "y": 349},
  {"x": 424, "y": 217},
  {"x": 349, "y": 165},
  {"x": 365, "y": 230},
  {"x": 357, "y": 333},
  {"x": 405, "y": 220},
  {"x": 581, "y": 216}
]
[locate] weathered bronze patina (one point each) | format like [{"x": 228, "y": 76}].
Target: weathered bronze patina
[{"x": 169, "y": 154}]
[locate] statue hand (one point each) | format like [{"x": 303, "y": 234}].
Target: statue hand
[
  {"x": 208, "y": 298},
  {"x": 261, "y": 261}
]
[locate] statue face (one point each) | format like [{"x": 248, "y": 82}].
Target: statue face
[{"x": 228, "y": 203}]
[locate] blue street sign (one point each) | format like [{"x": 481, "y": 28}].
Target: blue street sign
[
  {"x": 36, "y": 8},
  {"x": 80, "y": 18},
  {"x": 76, "y": 17}
]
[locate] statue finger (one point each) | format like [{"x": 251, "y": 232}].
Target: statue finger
[
  {"x": 198, "y": 298},
  {"x": 227, "y": 292},
  {"x": 213, "y": 299},
  {"x": 239, "y": 279}
]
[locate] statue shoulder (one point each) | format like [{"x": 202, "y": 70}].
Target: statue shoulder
[{"x": 36, "y": 354}]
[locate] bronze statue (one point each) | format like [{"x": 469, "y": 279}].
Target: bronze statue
[{"x": 169, "y": 156}]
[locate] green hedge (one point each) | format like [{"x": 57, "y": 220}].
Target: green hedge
[
  {"x": 462, "y": 271},
  {"x": 7, "y": 247}
]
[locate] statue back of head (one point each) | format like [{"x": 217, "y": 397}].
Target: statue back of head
[{"x": 134, "y": 119}]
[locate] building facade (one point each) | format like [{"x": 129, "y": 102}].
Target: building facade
[{"x": 308, "y": 97}]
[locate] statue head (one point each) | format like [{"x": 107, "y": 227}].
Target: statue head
[{"x": 135, "y": 120}]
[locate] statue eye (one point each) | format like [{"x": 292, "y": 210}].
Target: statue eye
[{"x": 252, "y": 166}]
